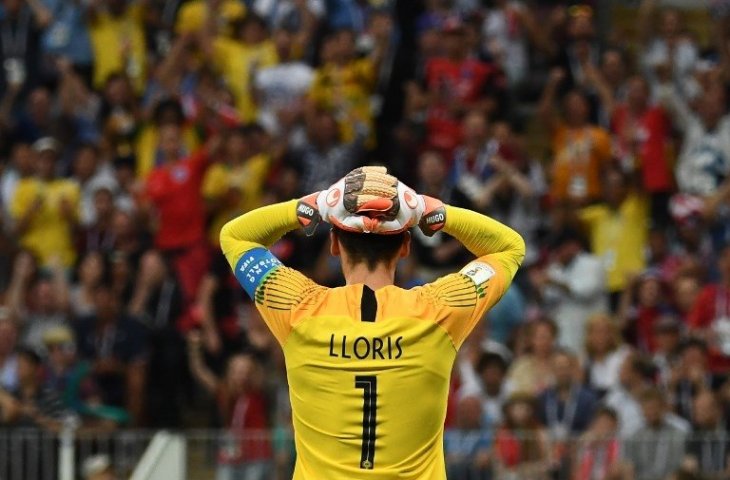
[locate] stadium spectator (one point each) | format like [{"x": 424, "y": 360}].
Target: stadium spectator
[
  {"x": 71, "y": 380},
  {"x": 242, "y": 408},
  {"x": 605, "y": 353},
  {"x": 598, "y": 449},
  {"x": 118, "y": 41},
  {"x": 657, "y": 450},
  {"x": 8, "y": 355},
  {"x": 691, "y": 376},
  {"x": 531, "y": 372},
  {"x": 34, "y": 405},
  {"x": 467, "y": 446},
  {"x": 45, "y": 208},
  {"x": 116, "y": 345},
  {"x": 641, "y": 305},
  {"x": 571, "y": 286},
  {"x": 618, "y": 229},
  {"x": 566, "y": 408},
  {"x": 710, "y": 315},
  {"x": 489, "y": 386},
  {"x": 707, "y": 450},
  {"x": 521, "y": 445}
]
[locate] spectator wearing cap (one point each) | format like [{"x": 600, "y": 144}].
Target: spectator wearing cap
[
  {"x": 8, "y": 354},
  {"x": 710, "y": 316},
  {"x": 35, "y": 405},
  {"x": 455, "y": 84},
  {"x": 691, "y": 376},
  {"x": 118, "y": 41},
  {"x": 45, "y": 208},
  {"x": 71, "y": 380},
  {"x": 657, "y": 449},
  {"x": 116, "y": 346},
  {"x": 708, "y": 450},
  {"x": 605, "y": 353},
  {"x": 572, "y": 287}
]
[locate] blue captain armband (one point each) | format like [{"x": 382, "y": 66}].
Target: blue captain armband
[{"x": 253, "y": 267}]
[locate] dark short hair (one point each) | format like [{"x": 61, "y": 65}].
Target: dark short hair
[
  {"x": 368, "y": 248},
  {"x": 605, "y": 411},
  {"x": 491, "y": 359},
  {"x": 29, "y": 353}
]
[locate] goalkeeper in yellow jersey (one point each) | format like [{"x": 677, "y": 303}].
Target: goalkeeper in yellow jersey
[{"x": 369, "y": 363}]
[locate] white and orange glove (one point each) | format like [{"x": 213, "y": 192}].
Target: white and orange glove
[{"x": 369, "y": 200}]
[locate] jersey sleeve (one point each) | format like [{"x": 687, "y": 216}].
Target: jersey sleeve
[
  {"x": 461, "y": 299},
  {"x": 276, "y": 289}
]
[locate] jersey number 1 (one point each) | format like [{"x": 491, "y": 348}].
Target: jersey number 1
[{"x": 369, "y": 385}]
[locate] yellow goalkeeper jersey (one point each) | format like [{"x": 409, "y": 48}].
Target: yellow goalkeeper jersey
[{"x": 368, "y": 370}]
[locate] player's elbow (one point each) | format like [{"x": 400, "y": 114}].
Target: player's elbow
[
  {"x": 226, "y": 234},
  {"x": 519, "y": 248}
]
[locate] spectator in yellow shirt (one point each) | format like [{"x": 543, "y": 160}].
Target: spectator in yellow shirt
[
  {"x": 118, "y": 41},
  {"x": 345, "y": 83},
  {"x": 45, "y": 209},
  {"x": 235, "y": 186},
  {"x": 238, "y": 59},
  {"x": 618, "y": 229}
]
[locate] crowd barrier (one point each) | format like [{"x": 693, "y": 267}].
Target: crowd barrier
[{"x": 33, "y": 454}]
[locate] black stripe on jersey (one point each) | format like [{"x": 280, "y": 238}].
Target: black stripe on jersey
[
  {"x": 369, "y": 384},
  {"x": 368, "y": 305}
]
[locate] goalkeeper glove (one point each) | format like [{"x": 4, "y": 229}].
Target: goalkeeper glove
[{"x": 366, "y": 200}]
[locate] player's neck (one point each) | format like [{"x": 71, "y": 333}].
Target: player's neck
[{"x": 380, "y": 277}]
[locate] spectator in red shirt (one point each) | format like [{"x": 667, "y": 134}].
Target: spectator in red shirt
[
  {"x": 177, "y": 208},
  {"x": 242, "y": 406},
  {"x": 455, "y": 83},
  {"x": 642, "y": 140},
  {"x": 710, "y": 316}
]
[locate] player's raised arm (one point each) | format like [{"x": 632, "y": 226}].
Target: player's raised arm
[{"x": 464, "y": 297}]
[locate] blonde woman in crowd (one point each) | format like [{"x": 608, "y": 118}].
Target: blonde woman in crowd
[{"x": 605, "y": 352}]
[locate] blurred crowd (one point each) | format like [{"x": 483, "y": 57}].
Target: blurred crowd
[{"x": 132, "y": 130}]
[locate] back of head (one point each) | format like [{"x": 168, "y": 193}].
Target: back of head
[{"x": 370, "y": 249}]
